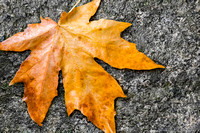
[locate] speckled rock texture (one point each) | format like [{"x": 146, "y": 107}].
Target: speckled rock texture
[{"x": 159, "y": 101}]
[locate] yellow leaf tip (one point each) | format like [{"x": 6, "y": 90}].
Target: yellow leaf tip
[
  {"x": 129, "y": 24},
  {"x": 11, "y": 83},
  {"x": 123, "y": 96},
  {"x": 24, "y": 99},
  {"x": 97, "y": 1},
  {"x": 160, "y": 66},
  {"x": 40, "y": 124}
]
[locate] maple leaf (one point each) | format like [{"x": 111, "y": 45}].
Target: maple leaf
[{"x": 71, "y": 46}]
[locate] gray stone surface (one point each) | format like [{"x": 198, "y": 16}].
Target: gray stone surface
[{"x": 168, "y": 100}]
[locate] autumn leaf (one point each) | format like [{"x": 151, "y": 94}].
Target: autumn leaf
[{"x": 71, "y": 46}]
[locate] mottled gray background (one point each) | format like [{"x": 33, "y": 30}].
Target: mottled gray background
[{"x": 162, "y": 100}]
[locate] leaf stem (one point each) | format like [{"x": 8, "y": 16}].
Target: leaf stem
[{"x": 75, "y": 5}]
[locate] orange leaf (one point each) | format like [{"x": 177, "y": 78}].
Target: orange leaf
[{"x": 71, "y": 46}]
